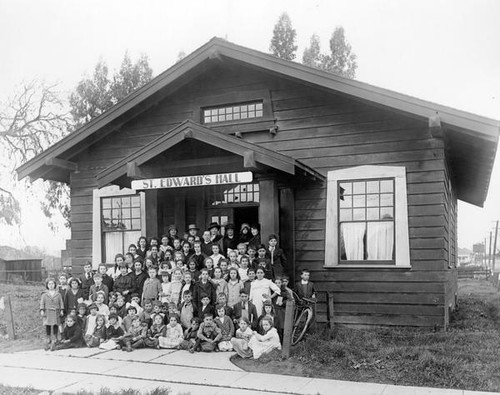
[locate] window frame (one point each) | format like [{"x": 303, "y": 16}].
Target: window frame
[
  {"x": 401, "y": 241},
  {"x": 97, "y": 231},
  {"x": 366, "y": 220}
]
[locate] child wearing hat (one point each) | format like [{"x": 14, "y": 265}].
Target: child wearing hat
[{"x": 214, "y": 229}]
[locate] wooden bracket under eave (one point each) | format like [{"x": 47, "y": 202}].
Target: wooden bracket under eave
[
  {"x": 134, "y": 171},
  {"x": 61, "y": 163},
  {"x": 435, "y": 128},
  {"x": 249, "y": 161}
]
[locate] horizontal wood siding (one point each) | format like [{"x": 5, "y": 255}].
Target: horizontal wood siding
[
  {"x": 326, "y": 132},
  {"x": 343, "y": 135},
  {"x": 82, "y": 186}
]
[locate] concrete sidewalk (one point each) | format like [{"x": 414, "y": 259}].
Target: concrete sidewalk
[{"x": 68, "y": 371}]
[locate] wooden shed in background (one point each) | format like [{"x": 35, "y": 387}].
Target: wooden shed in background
[{"x": 21, "y": 270}]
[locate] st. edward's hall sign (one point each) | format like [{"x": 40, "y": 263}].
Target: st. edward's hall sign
[{"x": 193, "y": 181}]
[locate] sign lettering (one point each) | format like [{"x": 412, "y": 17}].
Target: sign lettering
[{"x": 193, "y": 181}]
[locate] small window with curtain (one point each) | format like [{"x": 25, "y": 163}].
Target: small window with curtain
[{"x": 366, "y": 220}]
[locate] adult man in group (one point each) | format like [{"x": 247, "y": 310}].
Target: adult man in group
[{"x": 214, "y": 229}]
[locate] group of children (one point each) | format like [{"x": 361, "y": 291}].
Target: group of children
[{"x": 176, "y": 297}]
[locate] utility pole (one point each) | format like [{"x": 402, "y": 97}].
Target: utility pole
[
  {"x": 484, "y": 253},
  {"x": 494, "y": 248},
  {"x": 489, "y": 255}
]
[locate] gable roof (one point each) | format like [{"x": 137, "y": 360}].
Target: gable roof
[
  {"x": 192, "y": 130},
  {"x": 48, "y": 164}
]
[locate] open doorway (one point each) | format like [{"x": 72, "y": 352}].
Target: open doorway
[{"x": 248, "y": 214}]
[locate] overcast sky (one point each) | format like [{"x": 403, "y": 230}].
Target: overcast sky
[{"x": 447, "y": 52}]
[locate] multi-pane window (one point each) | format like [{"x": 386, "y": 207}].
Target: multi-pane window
[
  {"x": 235, "y": 112},
  {"x": 121, "y": 224},
  {"x": 366, "y": 220},
  {"x": 232, "y": 194}
]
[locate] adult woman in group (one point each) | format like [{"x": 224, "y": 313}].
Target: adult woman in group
[{"x": 262, "y": 289}]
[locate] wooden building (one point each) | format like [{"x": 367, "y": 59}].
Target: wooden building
[
  {"x": 21, "y": 270},
  {"x": 361, "y": 183}
]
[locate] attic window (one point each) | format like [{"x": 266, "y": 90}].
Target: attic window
[{"x": 234, "y": 112}]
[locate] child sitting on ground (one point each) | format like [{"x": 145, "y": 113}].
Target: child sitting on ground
[
  {"x": 263, "y": 344},
  {"x": 190, "y": 334},
  {"x": 99, "y": 335},
  {"x": 226, "y": 326},
  {"x": 131, "y": 314},
  {"x": 72, "y": 336},
  {"x": 243, "y": 335},
  {"x": 208, "y": 335},
  {"x": 157, "y": 329},
  {"x": 114, "y": 331},
  {"x": 134, "y": 337},
  {"x": 172, "y": 335}
]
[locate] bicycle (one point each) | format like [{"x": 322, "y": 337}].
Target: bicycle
[{"x": 303, "y": 317}]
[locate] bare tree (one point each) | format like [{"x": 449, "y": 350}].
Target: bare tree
[{"x": 31, "y": 120}]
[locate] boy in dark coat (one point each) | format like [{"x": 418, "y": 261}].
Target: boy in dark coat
[
  {"x": 87, "y": 280},
  {"x": 245, "y": 309}
]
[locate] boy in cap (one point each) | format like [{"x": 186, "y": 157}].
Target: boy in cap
[{"x": 193, "y": 230}]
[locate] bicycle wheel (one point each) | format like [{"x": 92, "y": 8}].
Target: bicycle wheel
[{"x": 300, "y": 326}]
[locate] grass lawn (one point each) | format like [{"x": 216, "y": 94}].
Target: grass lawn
[{"x": 464, "y": 357}]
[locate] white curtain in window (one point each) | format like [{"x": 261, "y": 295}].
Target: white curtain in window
[
  {"x": 118, "y": 242},
  {"x": 380, "y": 241},
  {"x": 113, "y": 245},
  {"x": 352, "y": 235}
]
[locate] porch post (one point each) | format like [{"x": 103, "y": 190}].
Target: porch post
[
  {"x": 268, "y": 208},
  {"x": 287, "y": 229},
  {"x": 151, "y": 213}
]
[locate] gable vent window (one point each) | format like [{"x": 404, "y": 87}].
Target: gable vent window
[{"x": 235, "y": 112}]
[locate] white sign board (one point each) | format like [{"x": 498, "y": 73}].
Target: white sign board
[{"x": 193, "y": 181}]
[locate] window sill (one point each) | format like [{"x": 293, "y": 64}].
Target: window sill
[{"x": 373, "y": 266}]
